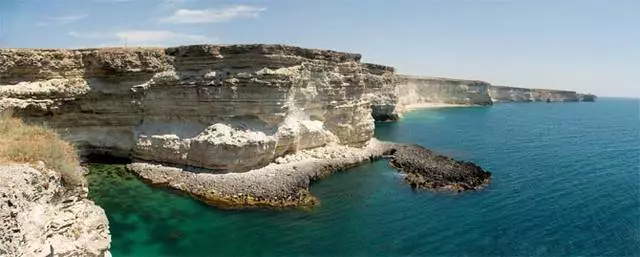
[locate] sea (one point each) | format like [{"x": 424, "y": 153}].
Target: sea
[{"x": 565, "y": 182}]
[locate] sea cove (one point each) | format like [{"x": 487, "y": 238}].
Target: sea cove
[{"x": 565, "y": 182}]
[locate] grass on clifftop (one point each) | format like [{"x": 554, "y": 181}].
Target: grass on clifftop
[{"x": 22, "y": 143}]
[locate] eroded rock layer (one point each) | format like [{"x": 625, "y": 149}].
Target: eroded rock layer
[
  {"x": 40, "y": 217},
  {"x": 416, "y": 90},
  {"x": 402, "y": 93},
  {"x": 228, "y": 108},
  {"x": 516, "y": 94}
]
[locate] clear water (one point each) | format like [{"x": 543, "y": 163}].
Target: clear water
[{"x": 566, "y": 181}]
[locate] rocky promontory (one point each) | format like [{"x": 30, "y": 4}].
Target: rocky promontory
[{"x": 237, "y": 125}]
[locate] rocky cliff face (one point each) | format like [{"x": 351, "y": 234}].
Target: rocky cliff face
[
  {"x": 516, "y": 94},
  {"x": 416, "y": 90},
  {"x": 381, "y": 91},
  {"x": 40, "y": 217},
  {"x": 401, "y": 93},
  {"x": 226, "y": 108}
]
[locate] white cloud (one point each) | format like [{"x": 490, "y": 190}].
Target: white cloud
[
  {"x": 112, "y": 1},
  {"x": 87, "y": 34},
  {"x": 62, "y": 20},
  {"x": 213, "y": 15},
  {"x": 170, "y": 4},
  {"x": 144, "y": 37},
  {"x": 174, "y": 1}
]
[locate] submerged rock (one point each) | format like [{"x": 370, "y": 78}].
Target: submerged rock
[{"x": 428, "y": 170}]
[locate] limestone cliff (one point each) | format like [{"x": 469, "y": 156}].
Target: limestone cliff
[
  {"x": 416, "y": 90},
  {"x": 223, "y": 107},
  {"x": 381, "y": 91},
  {"x": 516, "y": 94},
  {"x": 400, "y": 93},
  {"x": 218, "y": 107},
  {"x": 263, "y": 121}
]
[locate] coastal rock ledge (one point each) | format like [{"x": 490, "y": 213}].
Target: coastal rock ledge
[{"x": 285, "y": 183}]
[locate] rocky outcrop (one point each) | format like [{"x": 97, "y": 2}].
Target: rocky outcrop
[
  {"x": 227, "y": 108},
  {"x": 283, "y": 183},
  {"x": 587, "y": 97},
  {"x": 516, "y": 94},
  {"x": 428, "y": 170},
  {"x": 381, "y": 91},
  {"x": 41, "y": 217}
]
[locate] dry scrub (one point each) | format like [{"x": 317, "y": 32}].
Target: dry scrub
[{"x": 22, "y": 143}]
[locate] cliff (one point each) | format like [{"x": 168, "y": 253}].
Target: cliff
[
  {"x": 261, "y": 121},
  {"x": 381, "y": 91},
  {"x": 228, "y": 108},
  {"x": 415, "y": 90},
  {"x": 400, "y": 93},
  {"x": 516, "y": 94}
]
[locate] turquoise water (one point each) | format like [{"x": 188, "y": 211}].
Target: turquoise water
[{"x": 566, "y": 181}]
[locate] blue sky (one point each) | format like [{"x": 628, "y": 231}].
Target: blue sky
[{"x": 584, "y": 45}]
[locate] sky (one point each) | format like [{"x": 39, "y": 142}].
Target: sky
[{"x": 583, "y": 45}]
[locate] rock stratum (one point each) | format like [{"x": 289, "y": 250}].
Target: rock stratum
[
  {"x": 234, "y": 125},
  {"x": 39, "y": 216},
  {"x": 223, "y": 108}
]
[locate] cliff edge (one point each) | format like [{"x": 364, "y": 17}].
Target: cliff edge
[{"x": 44, "y": 209}]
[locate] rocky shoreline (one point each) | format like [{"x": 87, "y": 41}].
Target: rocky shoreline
[
  {"x": 285, "y": 183},
  {"x": 428, "y": 170}
]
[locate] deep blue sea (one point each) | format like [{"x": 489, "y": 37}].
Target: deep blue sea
[{"x": 566, "y": 182}]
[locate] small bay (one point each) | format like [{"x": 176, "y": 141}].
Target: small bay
[{"x": 566, "y": 182}]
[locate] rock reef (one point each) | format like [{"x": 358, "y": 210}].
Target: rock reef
[
  {"x": 428, "y": 170},
  {"x": 40, "y": 217}
]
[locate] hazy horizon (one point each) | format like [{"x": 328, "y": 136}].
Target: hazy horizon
[{"x": 584, "y": 46}]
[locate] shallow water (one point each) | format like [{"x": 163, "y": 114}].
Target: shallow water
[{"x": 566, "y": 181}]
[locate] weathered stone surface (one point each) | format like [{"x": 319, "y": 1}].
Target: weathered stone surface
[
  {"x": 381, "y": 91},
  {"x": 416, "y": 90},
  {"x": 283, "y": 183},
  {"x": 40, "y": 217},
  {"x": 181, "y": 105},
  {"x": 428, "y": 170}
]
